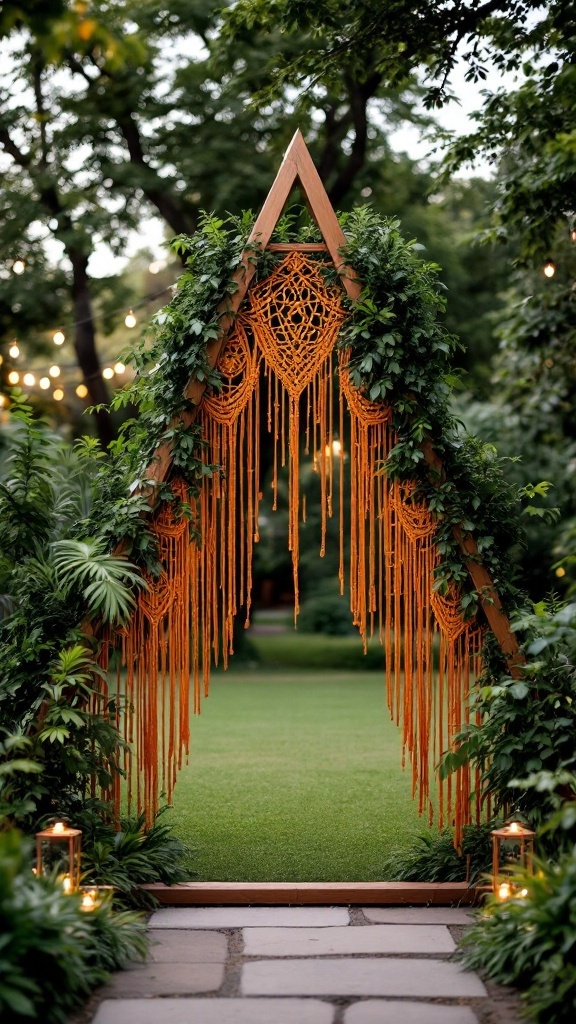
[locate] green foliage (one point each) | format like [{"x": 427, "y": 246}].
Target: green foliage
[
  {"x": 305, "y": 651},
  {"x": 132, "y": 856},
  {"x": 400, "y": 352},
  {"x": 326, "y": 611},
  {"x": 102, "y": 578},
  {"x": 432, "y": 857},
  {"x": 52, "y": 954},
  {"x": 527, "y": 724},
  {"x": 529, "y": 942}
]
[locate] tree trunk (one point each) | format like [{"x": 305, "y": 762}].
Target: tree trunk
[{"x": 85, "y": 346}]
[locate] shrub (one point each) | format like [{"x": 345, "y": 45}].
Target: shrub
[
  {"x": 133, "y": 857},
  {"x": 308, "y": 652},
  {"x": 531, "y": 942},
  {"x": 326, "y": 612},
  {"x": 527, "y": 724},
  {"x": 433, "y": 857},
  {"x": 51, "y": 952}
]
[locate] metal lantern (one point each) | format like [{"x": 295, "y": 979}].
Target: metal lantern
[
  {"x": 72, "y": 838},
  {"x": 512, "y": 846}
]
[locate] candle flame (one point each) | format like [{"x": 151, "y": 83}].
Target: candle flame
[
  {"x": 66, "y": 883},
  {"x": 504, "y": 891},
  {"x": 58, "y": 827},
  {"x": 514, "y": 826}
]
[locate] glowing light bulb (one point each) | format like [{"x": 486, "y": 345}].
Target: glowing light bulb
[
  {"x": 549, "y": 268},
  {"x": 130, "y": 319},
  {"x": 14, "y": 350},
  {"x": 514, "y": 827},
  {"x": 119, "y": 368},
  {"x": 44, "y": 383},
  {"x": 66, "y": 883},
  {"x": 29, "y": 380},
  {"x": 19, "y": 266},
  {"x": 108, "y": 373},
  {"x": 13, "y": 377},
  {"x": 59, "y": 337},
  {"x": 523, "y": 893},
  {"x": 336, "y": 446},
  {"x": 54, "y": 371},
  {"x": 81, "y": 391},
  {"x": 560, "y": 571},
  {"x": 88, "y": 902},
  {"x": 58, "y": 395},
  {"x": 58, "y": 828},
  {"x": 2, "y": 400},
  {"x": 504, "y": 891}
]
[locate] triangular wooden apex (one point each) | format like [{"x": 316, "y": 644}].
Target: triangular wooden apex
[{"x": 298, "y": 165}]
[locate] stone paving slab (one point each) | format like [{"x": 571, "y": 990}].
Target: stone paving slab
[
  {"x": 172, "y": 945},
  {"x": 379, "y": 1011},
  {"x": 418, "y": 915},
  {"x": 245, "y": 917},
  {"x": 164, "y": 980},
  {"x": 215, "y": 1011},
  {"x": 394, "y": 938},
  {"x": 360, "y": 977}
]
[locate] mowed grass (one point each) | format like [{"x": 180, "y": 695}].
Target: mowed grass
[{"x": 294, "y": 776}]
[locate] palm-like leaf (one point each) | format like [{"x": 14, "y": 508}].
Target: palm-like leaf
[{"x": 105, "y": 581}]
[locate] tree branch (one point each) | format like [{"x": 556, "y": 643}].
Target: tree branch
[
  {"x": 154, "y": 189},
  {"x": 12, "y": 149}
]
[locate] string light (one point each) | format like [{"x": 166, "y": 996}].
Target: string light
[
  {"x": 59, "y": 337},
  {"x": 549, "y": 268},
  {"x": 19, "y": 266}
]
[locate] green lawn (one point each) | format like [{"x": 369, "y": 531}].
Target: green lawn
[{"x": 294, "y": 777}]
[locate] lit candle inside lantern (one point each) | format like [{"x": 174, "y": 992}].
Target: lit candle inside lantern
[
  {"x": 523, "y": 893},
  {"x": 59, "y": 827},
  {"x": 514, "y": 826},
  {"x": 66, "y": 883},
  {"x": 88, "y": 901},
  {"x": 504, "y": 891}
]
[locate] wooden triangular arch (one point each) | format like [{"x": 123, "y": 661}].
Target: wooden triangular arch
[
  {"x": 192, "y": 598},
  {"x": 298, "y": 166}
]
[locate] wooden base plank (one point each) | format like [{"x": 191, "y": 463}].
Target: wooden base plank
[{"x": 435, "y": 894}]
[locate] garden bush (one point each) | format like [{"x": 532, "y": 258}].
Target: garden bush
[
  {"x": 52, "y": 953},
  {"x": 326, "y": 611},
  {"x": 530, "y": 941},
  {"x": 433, "y": 857}
]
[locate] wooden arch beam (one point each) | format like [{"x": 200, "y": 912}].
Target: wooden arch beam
[{"x": 298, "y": 165}]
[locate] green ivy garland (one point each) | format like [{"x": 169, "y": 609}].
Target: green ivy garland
[{"x": 400, "y": 353}]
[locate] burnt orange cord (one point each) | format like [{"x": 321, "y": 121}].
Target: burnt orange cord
[{"x": 284, "y": 339}]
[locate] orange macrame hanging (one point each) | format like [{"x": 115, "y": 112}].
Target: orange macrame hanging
[{"x": 279, "y": 362}]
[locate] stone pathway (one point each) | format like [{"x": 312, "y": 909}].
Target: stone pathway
[{"x": 303, "y": 965}]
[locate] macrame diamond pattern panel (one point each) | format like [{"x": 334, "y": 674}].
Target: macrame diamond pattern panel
[{"x": 295, "y": 316}]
